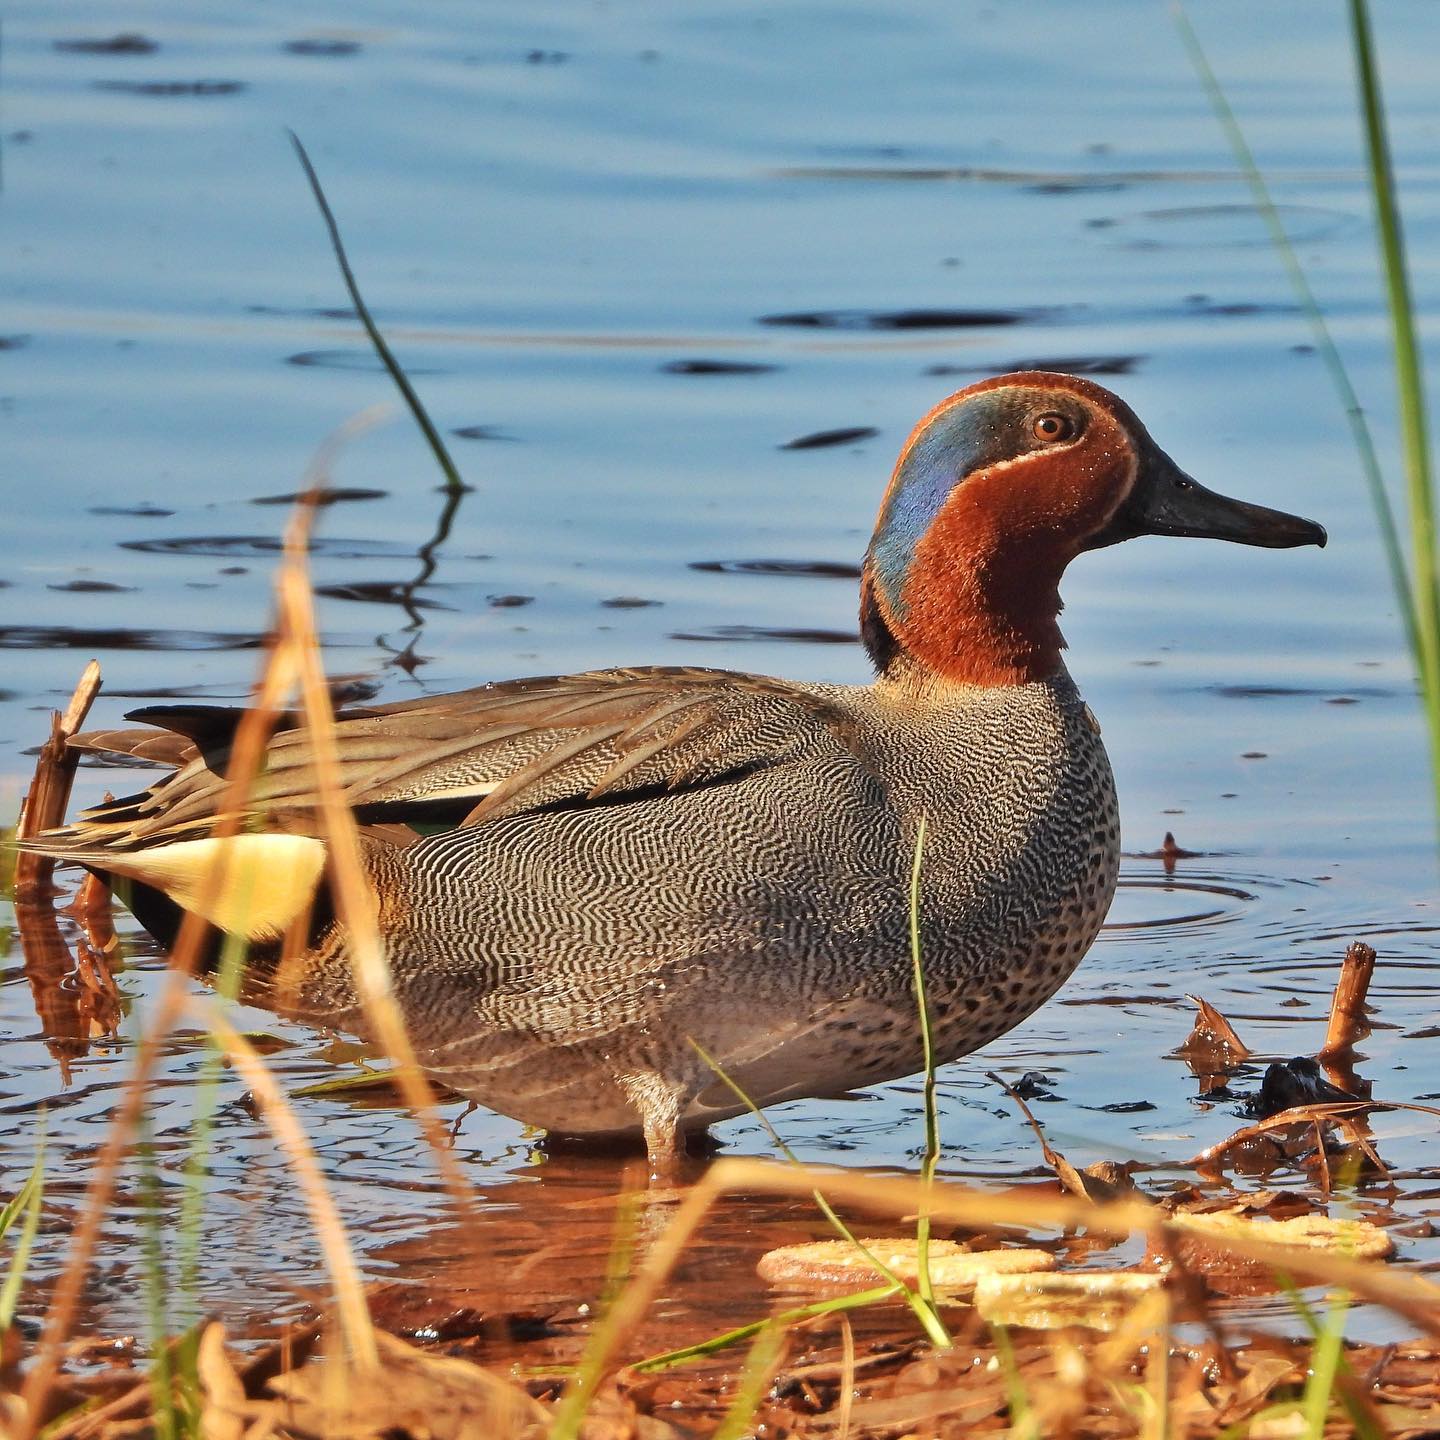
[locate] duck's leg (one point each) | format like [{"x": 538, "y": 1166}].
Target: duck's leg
[{"x": 658, "y": 1101}]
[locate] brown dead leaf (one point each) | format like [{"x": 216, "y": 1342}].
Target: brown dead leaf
[
  {"x": 413, "y": 1394},
  {"x": 1212, "y": 1043},
  {"x": 1252, "y": 1390},
  {"x": 226, "y": 1408}
]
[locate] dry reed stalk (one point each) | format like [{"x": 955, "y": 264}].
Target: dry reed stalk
[
  {"x": 277, "y": 680},
  {"x": 1065, "y": 1172},
  {"x": 355, "y": 1322},
  {"x": 49, "y": 792},
  {"x": 1347, "y": 1006},
  {"x": 1415, "y": 1299},
  {"x": 1341, "y": 1112},
  {"x": 354, "y": 900},
  {"x": 247, "y": 752}
]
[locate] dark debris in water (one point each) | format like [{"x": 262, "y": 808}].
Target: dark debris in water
[
  {"x": 818, "y": 569},
  {"x": 509, "y": 602},
  {"x": 334, "y": 495},
  {"x": 823, "y": 439},
  {"x": 919, "y": 319},
  {"x": 629, "y": 602},
  {"x": 14, "y": 342},
  {"x": 717, "y": 367},
  {"x": 126, "y": 43},
  {"x": 173, "y": 88},
  {"x": 1169, "y": 852},
  {"x": 1035, "y": 1085},
  {"x": 92, "y": 587},
  {"x": 1288, "y": 1083},
  {"x": 67, "y": 637},
  {"x": 799, "y": 636}
]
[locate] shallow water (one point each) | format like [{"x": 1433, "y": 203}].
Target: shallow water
[{"x": 648, "y": 264}]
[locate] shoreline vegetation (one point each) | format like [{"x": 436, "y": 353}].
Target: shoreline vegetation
[{"x": 872, "y": 1337}]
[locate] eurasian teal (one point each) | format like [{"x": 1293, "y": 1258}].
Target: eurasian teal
[{"x": 579, "y": 876}]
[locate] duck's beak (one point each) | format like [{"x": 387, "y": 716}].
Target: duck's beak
[{"x": 1166, "y": 501}]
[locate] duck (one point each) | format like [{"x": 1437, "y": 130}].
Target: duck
[{"x": 624, "y": 904}]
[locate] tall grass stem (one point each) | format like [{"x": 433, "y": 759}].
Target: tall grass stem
[
  {"x": 1409, "y": 377},
  {"x": 453, "y": 482},
  {"x": 927, "y": 1045}
]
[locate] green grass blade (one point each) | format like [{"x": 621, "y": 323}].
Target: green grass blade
[
  {"x": 854, "y": 1301},
  {"x": 1324, "y": 343},
  {"x": 1016, "y": 1399},
  {"x": 932, "y": 1118},
  {"x": 1363, "y": 1421},
  {"x": 438, "y": 448},
  {"x": 923, "y": 1310},
  {"x": 162, "y": 1386},
  {"x": 1325, "y": 1356},
  {"x": 1409, "y": 377},
  {"x": 759, "y": 1366},
  {"x": 27, "y": 1202},
  {"x": 570, "y": 1412}
]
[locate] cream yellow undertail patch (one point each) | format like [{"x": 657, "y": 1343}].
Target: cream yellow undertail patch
[{"x": 265, "y": 881}]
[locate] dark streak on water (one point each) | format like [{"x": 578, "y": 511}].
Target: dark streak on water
[
  {"x": 820, "y": 569},
  {"x": 365, "y": 361},
  {"x": 71, "y": 637},
  {"x": 769, "y": 632},
  {"x": 304, "y": 312},
  {"x": 717, "y": 367},
  {"x": 379, "y": 592},
  {"x": 320, "y": 46},
  {"x": 927, "y": 319},
  {"x": 173, "y": 88},
  {"x": 823, "y": 439},
  {"x": 479, "y": 432},
  {"x": 1278, "y": 692},
  {"x": 334, "y": 495},
  {"x": 1065, "y": 365},
  {"x": 93, "y": 587},
  {"x": 128, "y": 43},
  {"x": 257, "y": 545}
]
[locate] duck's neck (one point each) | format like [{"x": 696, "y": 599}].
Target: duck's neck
[{"x": 972, "y": 612}]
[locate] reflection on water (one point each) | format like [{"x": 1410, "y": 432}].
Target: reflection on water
[{"x": 647, "y": 269}]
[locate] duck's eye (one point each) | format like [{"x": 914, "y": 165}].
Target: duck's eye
[{"x": 1052, "y": 428}]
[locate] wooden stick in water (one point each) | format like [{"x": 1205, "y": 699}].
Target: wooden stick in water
[
  {"x": 49, "y": 791},
  {"x": 1347, "y": 1008}
]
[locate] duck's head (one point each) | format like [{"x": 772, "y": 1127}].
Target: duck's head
[{"x": 997, "y": 489}]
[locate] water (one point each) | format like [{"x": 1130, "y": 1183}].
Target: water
[{"x": 632, "y": 255}]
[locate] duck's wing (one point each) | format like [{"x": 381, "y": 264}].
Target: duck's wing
[{"x": 464, "y": 758}]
